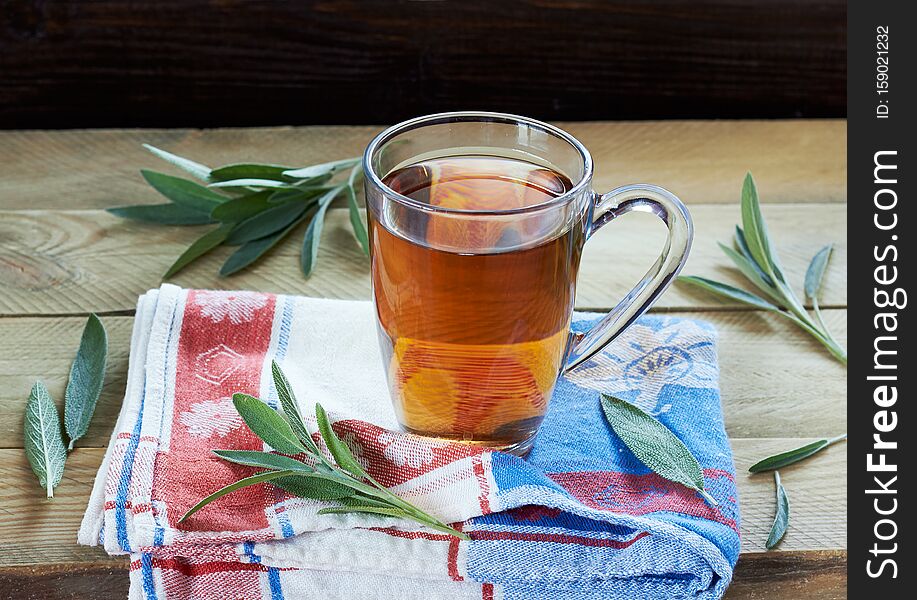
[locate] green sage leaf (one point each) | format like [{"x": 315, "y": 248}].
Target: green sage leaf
[
  {"x": 313, "y": 487},
  {"x": 781, "y": 516},
  {"x": 356, "y": 222},
  {"x": 750, "y": 271},
  {"x": 728, "y": 291},
  {"x": 272, "y": 220},
  {"x": 322, "y": 169},
  {"x": 249, "y": 252},
  {"x": 338, "y": 449},
  {"x": 291, "y": 408},
  {"x": 267, "y": 424},
  {"x": 249, "y": 171},
  {"x": 44, "y": 445},
  {"x": 815, "y": 274},
  {"x": 87, "y": 373},
  {"x": 248, "y": 481},
  {"x": 742, "y": 245},
  {"x": 654, "y": 445},
  {"x": 312, "y": 239},
  {"x": 183, "y": 192},
  {"x": 199, "y": 248},
  {"x": 755, "y": 229},
  {"x": 368, "y": 509},
  {"x": 250, "y": 182},
  {"x": 243, "y": 207},
  {"x": 197, "y": 170},
  {"x": 164, "y": 214},
  {"x": 778, "y": 461},
  {"x": 263, "y": 460}
]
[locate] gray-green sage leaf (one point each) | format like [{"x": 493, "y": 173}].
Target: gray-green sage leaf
[
  {"x": 87, "y": 374},
  {"x": 267, "y": 424},
  {"x": 815, "y": 274},
  {"x": 782, "y": 459},
  {"x": 654, "y": 445},
  {"x": 195, "y": 169},
  {"x": 781, "y": 516},
  {"x": 43, "y": 442}
]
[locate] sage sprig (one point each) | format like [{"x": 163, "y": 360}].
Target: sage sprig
[
  {"x": 781, "y": 515},
  {"x": 340, "y": 478},
  {"x": 655, "y": 445},
  {"x": 254, "y": 206},
  {"x": 755, "y": 255},
  {"x": 789, "y": 457}
]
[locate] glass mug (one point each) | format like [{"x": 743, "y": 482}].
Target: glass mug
[{"x": 477, "y": 221}]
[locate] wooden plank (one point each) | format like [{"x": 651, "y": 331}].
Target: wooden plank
[
  {"x": 61, "y": 262},
  {"x": 775, "y": 381},
  {"x": 790, "y": 576},
  {"x": 701, "y": 161},
  {"x": 772, "y": 576},
  {"x": 44, "y": 532},
  {"x": 343, "y": 62}
]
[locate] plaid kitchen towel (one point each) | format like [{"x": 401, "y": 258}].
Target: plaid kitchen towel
[{"x": 580, "y": 517}]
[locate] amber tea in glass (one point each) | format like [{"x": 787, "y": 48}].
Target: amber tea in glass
[{"x": 477, "y": 224}]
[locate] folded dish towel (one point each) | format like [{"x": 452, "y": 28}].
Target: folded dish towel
[{"x": 580, "y": 517}]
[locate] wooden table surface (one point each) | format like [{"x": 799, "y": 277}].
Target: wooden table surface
[{"x": 62, "y": 256}]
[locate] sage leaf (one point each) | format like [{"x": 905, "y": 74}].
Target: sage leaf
[
  {"x": 313, "y": 487},
  {"x": 267, "y": 424},
  {"x": 338, "y": 449},
  {"x": 197, "y": 170},
  {"x": 248, "y": 481},
  {"x": 362, "y": 500},
  {"x": 252, "y": 251},
  {"x": 742, "y": 245},
  {"x": 356, "y": 222},
  {"x": 249, "y": 182},
  {"x": 87, "y": 373},
  {"x": 815, "y": 274},
  {"x": 249, "y": 171},
  {"x": 782, "y": 515},
  {"x": 750, "y": 271},
  {"x": 291, "y": 409},
  {"x": 269, "y": 221},
  {"x": 183, "y": 192},
  {"x": 755, "y": 229},
  {"x": 365, "y": 509},
  {"x": 322, "y": 169},
  {"x": 728, "y": 291},
  {"x": 241, "y": 208},
  {"x": 778, "y": 461},
  {"x": 44, "y": 446},
  {"x": 263, "y": 460},
  {"x": 199, "y": 248},
  {"x": 164, "y": 214},
  {"x": 654, "y": 445},
  {"x": 312, "y": 239}
]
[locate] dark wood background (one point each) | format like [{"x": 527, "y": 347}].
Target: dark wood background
[{"x": 117, "y": 63}]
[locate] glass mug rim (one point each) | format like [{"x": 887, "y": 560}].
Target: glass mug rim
[{"x": 473, "y": 116}]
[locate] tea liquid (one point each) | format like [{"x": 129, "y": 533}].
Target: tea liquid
[{"x": 474, "y": 341}]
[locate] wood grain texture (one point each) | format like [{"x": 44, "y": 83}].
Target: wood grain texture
[
  {"x": 790, "y": 576},
  {"x": 701, "y": 161},
  {"x": 197, "y": 63},
  {"x": 58, "y": 262},
  {"x": 772, "y": 576},
  {"x": 44, "y": 532},
  {"x": 755, "y": 351}
]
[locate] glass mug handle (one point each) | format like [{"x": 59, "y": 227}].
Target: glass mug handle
[{"x": 666, "y": 206}]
